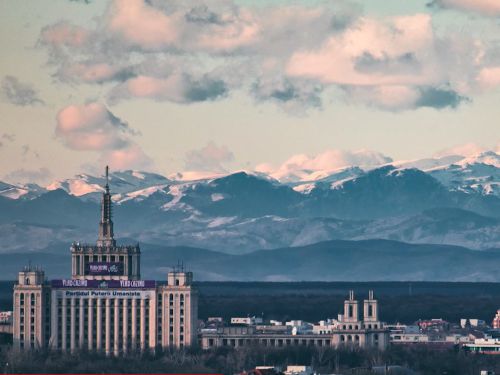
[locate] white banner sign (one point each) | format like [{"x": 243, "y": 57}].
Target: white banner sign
[{"x": 96, "y": 293}]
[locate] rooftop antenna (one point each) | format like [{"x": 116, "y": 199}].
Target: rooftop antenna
[
  {"x": 107, "y": 178},
  {"x": 180, "y": 266}
]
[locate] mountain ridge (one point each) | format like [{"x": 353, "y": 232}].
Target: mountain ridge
[
  {"x": 242, "y": 212},
  {"x": 367, "y": 260}
]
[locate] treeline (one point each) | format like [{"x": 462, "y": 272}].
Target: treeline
[
  {"x": 315, "y": 307},
  {"x": 230, "y": 361}
]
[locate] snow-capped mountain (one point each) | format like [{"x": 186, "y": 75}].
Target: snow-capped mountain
[
  {"x": 480, "y": 173},
  {"x": 123, "y": 182},
  {"x": 476, "y": 173},
  {"x": 448, "y": 200},
  {"x": 26, "y": 191},
  {"x": 304, "y": 168}
]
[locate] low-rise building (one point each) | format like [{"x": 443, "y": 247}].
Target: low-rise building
[
  {"x": 298, "y": 370},
  {"x": 248, "y": 321},
  {"x": 325, "y": 326},
  {"x": 464, "y": 323},
  {"x": 366, "y": 331},
  {"x": 5, "y": 317},
  {"x": 433, "y": 323},
  {"x": 487, "y": 345}
]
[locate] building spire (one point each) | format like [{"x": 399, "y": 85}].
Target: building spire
[
  {"x": 106, "y": 235},
  {"x": 107, "y": 179}
]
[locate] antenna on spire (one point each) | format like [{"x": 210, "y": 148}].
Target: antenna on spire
[{"x": 107, "y": 175}]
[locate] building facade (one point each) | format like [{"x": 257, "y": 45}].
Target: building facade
[
  {"x": 351, "y": 329},
  {"x": 105, "y": 305}
]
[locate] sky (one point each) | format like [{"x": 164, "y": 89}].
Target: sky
[{"x": 218, "y": 86}]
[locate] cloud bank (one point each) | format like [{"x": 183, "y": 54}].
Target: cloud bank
[
  {"x": 290, "y": 54},
  {"x": 306, "y": 167}
]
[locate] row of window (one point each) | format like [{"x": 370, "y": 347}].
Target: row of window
[{"x": 357, "y": 327}]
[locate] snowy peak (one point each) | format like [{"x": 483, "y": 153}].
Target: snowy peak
[
  {"x": 428, "y": 164},
  {"x": 123, "y": 182},
  {"x": 304, "y": 168},
  {"x": 488, "y": 158},
  {"x": 27, "y": 191},
  {"x": 479, "y": 173},
  {"x": 332, "y": 180}
]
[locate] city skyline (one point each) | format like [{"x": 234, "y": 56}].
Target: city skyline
[{"x": 230, "y": 85}]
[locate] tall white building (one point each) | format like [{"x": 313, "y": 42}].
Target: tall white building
[{"x": 105, "y": 305}]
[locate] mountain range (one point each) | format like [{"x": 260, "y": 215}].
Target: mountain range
[
  {"x": 337, "y": 260},
  {"x": 453, "y": 200}
]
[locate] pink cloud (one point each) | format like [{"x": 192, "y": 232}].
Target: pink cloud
[
  {"x": 177, "y": 87},
  {"x": 144, "y": 86},
  {"x": 63, "y": 33},
  {"x": 390, "y": 97},
  {"x": 187, "y": 51},
  {"x": 143, "y": 25},
  {"x": 131, "y": 157},
  {"x": 92, "y": 127},
  {"x": 489, "y": 78},
  {"x": 231, "y": 32},
  {"x": 369, "y": 52},
  {"x": 307, "y": 168},
  {"x": 92, "y": 72}
]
